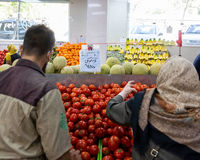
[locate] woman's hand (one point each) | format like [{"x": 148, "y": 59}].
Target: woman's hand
[{"x": 128, "y": 89}]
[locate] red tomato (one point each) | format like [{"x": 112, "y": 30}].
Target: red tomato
[
  {"x": 119, "y": 153},
  {"x": 100, "y": 87},
  {"x": 109, "y": 131},
  {"x": 102, "y": 97},
  {"x": 58, "y": 84},
  {"x": 76, "y": 133},
  {"x": 92, "y": 136},
  {"x": 83, "y": 86},
  {"x": 113, "y": 143},
  {"x": 85, "y": 138},
  {"x": 95, "y": 97},
  {"x": 105, "y": 119},
  {"x": 111, "y": 124},
  {"x": 70, "y": 126},
  {"x": 111, "y": 85},
  {"x": 62, "y": 88},
  {"x": 94, "y": 150},
  {"x": 73, "y": 94},
  {"x": 75, "y": 99},
  {"x": 98, "y": 123},
  {"x": 83, "y": 117},
  {"x": 126, "y": 142},
  {"x": 144, "y": 86},
  {"x": 91, "y": 121},
  {"x": 77, "y": 105},
  {"x": 102, "y": 105},
  {"x": 105, "y": 142},
  {"x": 91, "y": 116},
  {"x": 103, "y": 112},
  {"x": 130, "y": 95},
  {"x": 112, "y": 95},
  {"x": 89, "y": 102},
  {"x": 98, "y": 117},
  {"x": 93, "y": 158},
  {"x": 87, "y": 110},
  {"x": 67, "y": 115},
  {"x": 75, "y": 90},
  {"x": 74, "y": 140},
  {"x": 123, "y": 84},
  {"x": 152, "y": 86},
  {"x": 103, "y": 91},
  {"x": 105, "y": 151},
  {"x": 77, "y": 126},
  {"x": 106, "y": 86},
  {"x": 105, "y": 125},
  {"x": 82, "y": 124},
  {"x": 92, "y": 87},
  {"x": 73, "y": 110},
  {"x": 85, "y": 156},
  {"x": 128, "y": 158},
  {"x": 73, "y": 117},
  {"x": 100, "y": 132},
  {"x": 118, "y": 131},
  {"x": 65, "y": 97},
  {"x": 67, "y": 105},
  {"x": 116, "y": 86},
  {"x": 107, "y": 158},
  {"x": 82, "y": 133},
  {"x": 90, "y": 142},
  {"x": 87, "y": 91},
  {"x": 91, "y": 128},
  {"x": 82, "y": 100},
  {"x": 71, "y": 86},
  {"x": 96, "y": 108},
  {"x": 81, "y": 145},
  {"x": 137, "y": 87},
  {"x": 107, "y": 94},
  {"x": 68, "y": 90}
]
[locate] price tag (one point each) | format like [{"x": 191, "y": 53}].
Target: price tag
[{"x": 90, "y": 59}]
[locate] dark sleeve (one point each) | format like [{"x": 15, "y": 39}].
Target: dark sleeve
[
  {"x": 197, "y": 64},
  {"x": 118, "y": 111}
]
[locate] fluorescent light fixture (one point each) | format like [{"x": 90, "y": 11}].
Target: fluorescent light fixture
[
  {"x": 98, "y": 13},
  {"x": 94, "y": 5}
]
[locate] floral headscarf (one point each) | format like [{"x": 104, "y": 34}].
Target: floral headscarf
[{"x": 176, "y": 111}]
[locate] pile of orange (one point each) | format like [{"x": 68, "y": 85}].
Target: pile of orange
[{"x": 70, "y": 52}]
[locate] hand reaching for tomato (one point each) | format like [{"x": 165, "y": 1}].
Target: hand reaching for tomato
[{"x": 128, "y": 89}]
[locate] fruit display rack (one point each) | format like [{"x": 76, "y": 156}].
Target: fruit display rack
[{"x": 148, "y": 52}]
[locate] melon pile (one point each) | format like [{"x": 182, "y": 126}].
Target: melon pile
[{"x": 112, "y": 66}]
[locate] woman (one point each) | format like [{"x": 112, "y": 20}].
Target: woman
[{"x": 165, "y": 120}]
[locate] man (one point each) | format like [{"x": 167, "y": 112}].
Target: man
[{"x": 33, "y": 124}]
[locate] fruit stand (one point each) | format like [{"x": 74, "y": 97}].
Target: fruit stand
[{"x": 85, "y": 98}]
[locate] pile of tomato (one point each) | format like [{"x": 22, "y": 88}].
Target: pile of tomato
[
  {"x": 87, "y": 121},
  {"x": 2, "y": 55}
]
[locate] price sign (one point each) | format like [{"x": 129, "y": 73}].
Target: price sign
[{"x": 90, "y": 59}]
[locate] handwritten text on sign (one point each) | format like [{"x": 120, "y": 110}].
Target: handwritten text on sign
[{"x": 90, "y": 61}]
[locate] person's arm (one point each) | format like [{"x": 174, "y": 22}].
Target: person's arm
[
  {"x": 52, "y": 127},
  {"x": 117, "y": 109},
  {"x": 197, "y": 64}
]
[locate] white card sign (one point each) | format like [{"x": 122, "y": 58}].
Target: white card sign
[{"x": 90, "y": 59}]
